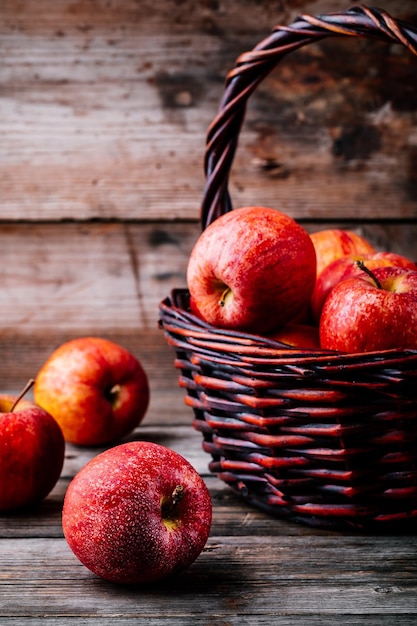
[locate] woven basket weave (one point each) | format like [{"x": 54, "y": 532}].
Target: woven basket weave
[{"x": 327, "y": 439}]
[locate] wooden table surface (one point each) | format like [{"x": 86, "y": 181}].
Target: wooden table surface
[{"x": 255, "y": 569}]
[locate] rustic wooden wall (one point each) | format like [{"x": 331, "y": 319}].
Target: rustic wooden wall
[{"x": 104, "y": 107}]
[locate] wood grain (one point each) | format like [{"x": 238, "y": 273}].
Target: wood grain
[
  {"x": 111, "y": 277},
  {"x": 105, "y": 106},
  {"x": 255, "y": 569}
]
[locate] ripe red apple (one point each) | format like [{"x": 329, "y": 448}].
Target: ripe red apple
[
  {"x": 252, "y": 269},
  {"x": 332, "y": 243},
  {"x": 345, "y": 267},
  {"x": 371, "y": 312},
  {"x": 137, "y": 513},
  {"x": 95, "y": 389},
  {"x": 298, "y": 336},
  {"x": 32, "y": 449}
]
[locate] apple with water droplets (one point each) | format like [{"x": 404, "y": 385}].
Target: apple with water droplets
[
  {"x": 137, "y": 513},
  {"x": 345, "y": 267},
  {"x": 374, "y": 311},
  {"x": 252, "y": 269}
]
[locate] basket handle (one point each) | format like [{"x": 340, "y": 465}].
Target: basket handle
[{"x": 253, "y": 66}]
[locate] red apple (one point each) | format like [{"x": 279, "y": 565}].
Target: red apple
[
  {"x": 96, "y": 390},
  {"x": 345, "y": 267},
  {"x": 137, "y": 513},
  {"x": 252, "y": 269},
  {"x": 332, "y": 243},
  {"x": 298, "y": 336},
  {"x": 369, "y": 313},
  {"x": 32, "y": 449}
]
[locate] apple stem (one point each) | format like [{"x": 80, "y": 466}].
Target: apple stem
[
  {"x": 363, "y": 267},
  {"x": 224, "y": 296},
  {"x": 170, "y": 505},
  {"x": 24, "y": 391},
  {"x": 113, "y": 393}
]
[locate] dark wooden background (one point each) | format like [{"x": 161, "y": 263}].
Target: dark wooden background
[{"x": 104, "y": 106}]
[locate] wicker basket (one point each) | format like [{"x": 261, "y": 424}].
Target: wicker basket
[{"x": 327, "y": 439}]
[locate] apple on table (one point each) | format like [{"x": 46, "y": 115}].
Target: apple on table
[
  {"x": 252, "y": 269},
  {"x": 137, "y": 513},
  {"x": 374, "y": 311},
  {"x": 32, "y": 450},
  {"x": 96, "y": 390},
  {"x": 298, "y": 336}
]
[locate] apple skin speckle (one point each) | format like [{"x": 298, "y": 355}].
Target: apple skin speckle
[{"x": 113, "y": 516}]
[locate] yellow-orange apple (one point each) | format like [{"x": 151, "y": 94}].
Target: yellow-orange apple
[
  {"x": 137, "y": 513},
  {"x": 96, "y": 390},
  {"x": 332, "y": 243},
  {"x": 345, "y": 267},
  {"x": 32, "y": 449},
  {"x": 252, "y": 269},
  {"x": 371, "y": 312}
]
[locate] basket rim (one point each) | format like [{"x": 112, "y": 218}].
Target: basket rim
[{"x": 176, "y": 319}]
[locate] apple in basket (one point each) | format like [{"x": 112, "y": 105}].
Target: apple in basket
[
  {"x": 345, "y": 267},
  {"x": 252, "y": 269},
  {"x": 137, "y": 513},
  {"x": 32, "y": 449},
  {"x": 298, "y": 336},
  {"x": 333, "y": 243},
  {"x": 95, "y": 389},
  {"x": 374, "y": 311}
]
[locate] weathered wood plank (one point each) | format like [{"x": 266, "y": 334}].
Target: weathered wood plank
[
  {"x": 105, "y": 106},
  {"x": 22, "y": 356},
  {"x": 91, "y": 276},
  {"x": 70, "y": 280},
  {"x": 233, "y": 517},
  {"x": 345, "y": 576},
  {"x": 112, "y": 277},
  {"x": 215, "y": 620}
]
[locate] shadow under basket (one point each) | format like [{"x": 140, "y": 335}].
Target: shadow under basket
[{"x": 326, "y": 439}]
